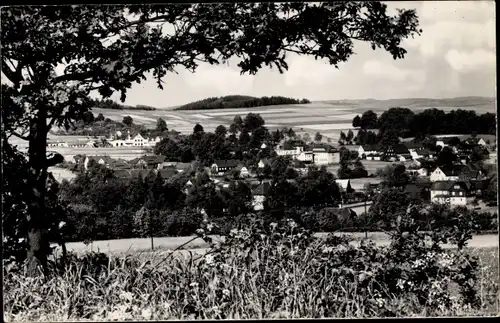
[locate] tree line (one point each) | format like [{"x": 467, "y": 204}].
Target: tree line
[
  {"x": 112, "y": 105},
  {"x": 239, "y": 101},
  {"x": 403, "y": 122}
]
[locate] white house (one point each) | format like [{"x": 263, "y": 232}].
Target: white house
[
  {"x": 289, "y": 152},
  {"x": 259, "y": 196},
  {"x": 453, "y": 193},
  {"x": 322, "y": 157},
  {"x": 365, "y": 150},
  {"x": 305, "y": 156},
  {"x": 243, "y": 170},
  {"x": 446, "y": 174},
  {"x": 263, "y": 162},
  {"x": 101, "y": 160}
]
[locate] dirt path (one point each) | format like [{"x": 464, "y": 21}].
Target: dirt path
[{"x": 198, "y": 245}]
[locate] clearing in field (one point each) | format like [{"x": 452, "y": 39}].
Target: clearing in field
[
  {"x": 201, "y": 116},
  {"x": 329, "y": 126}
]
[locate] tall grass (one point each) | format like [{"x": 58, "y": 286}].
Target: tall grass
[{"x": 262, "y": 272}]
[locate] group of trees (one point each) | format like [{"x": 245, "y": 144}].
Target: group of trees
[
  {"x": 168, "y": 207},
  {"x": 239, "y": 101},
  {"x": 403, "y": 122},
  {"x": 110, "y": 104},
  {"x": 112, "y": 55},
  {"x": 350, "y": 165},
  {"x": 242, "y": 141}
]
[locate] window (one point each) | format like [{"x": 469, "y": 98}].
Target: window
[{"x": 453, "y": 193}]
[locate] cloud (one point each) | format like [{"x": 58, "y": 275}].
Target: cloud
[
  {"x": 460, "y": 25},
  {"x": 476, "y": 11},
  {"x": 391, "y": 72},
  {"x": 470, "y": 61},
  {"x": 221, "y": 78},
  {"x": 307, "y": 70}
]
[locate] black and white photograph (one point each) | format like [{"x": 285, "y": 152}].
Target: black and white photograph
[{"x": 249, "y": 160}]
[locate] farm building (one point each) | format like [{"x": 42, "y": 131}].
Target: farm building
[
  {"x": 220, "y": 167},
  {"x": 450, "y": 192},
  {"x": 369, "y": 150},
  {"x": 398, "y": 151}
]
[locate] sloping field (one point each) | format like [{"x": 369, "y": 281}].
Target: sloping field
[{"x": 327, "y": 117}]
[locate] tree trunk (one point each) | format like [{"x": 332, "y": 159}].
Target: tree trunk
[{"x": 38, "y": 245}]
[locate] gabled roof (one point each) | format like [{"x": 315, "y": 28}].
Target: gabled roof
[
  {"x": 227, "y": 163},
  {"x": 447, "y": 185},
  {"x": 153, "y": 159},
  {"x": 453, "y": 170},
  {"x": 371, "y": 147},
  {"x": 262, "y": 189},
  {"x": 400, "y": 149},
  {"x": 413, "y": 145}
]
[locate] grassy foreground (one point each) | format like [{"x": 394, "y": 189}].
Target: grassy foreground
[{"x": 284, "y": 273}]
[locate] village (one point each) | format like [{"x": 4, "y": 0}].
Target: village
[{"x": 459, "y": 184}]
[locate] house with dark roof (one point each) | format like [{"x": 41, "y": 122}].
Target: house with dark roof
[
  {"x": 370, "y": 152},
  {"x": 415, "y": 191},
  {"x": 413, "y": 146},
  {"x": 398, "y": 151},
  {"x": 447, "y": 173},
  {"x": 259, "y": 195},
  {"x": 219, "y": 167},
  {"x": 149, "y": 161},
  {"x": 453, "y": 193}
]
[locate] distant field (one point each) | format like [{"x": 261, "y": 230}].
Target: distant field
[{"x": 327, "y": 117}]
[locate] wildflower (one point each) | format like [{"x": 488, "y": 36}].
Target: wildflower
[
  {"x": 226, "y": 293},
  {"x": 209, "y": 259},
  {"x": 194, "y": 284},
  {"x": 273, "y": 225},
  {"x": 200, "y": 231},
  {"x": 210, "y": 226},
  {"x": 126, "y": 296},
  {"x": 62, "y": 224},
  {"x": 146, "y": 313},
  {"x": 400, "y": 284}
]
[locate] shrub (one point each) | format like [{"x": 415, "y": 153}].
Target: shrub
[{"x": 261, "y": 271}]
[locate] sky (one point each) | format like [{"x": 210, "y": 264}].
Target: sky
[{"x": 454, "y": 56}]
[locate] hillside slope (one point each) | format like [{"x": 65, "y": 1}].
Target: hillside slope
[{"x": 483, "y": 104}]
